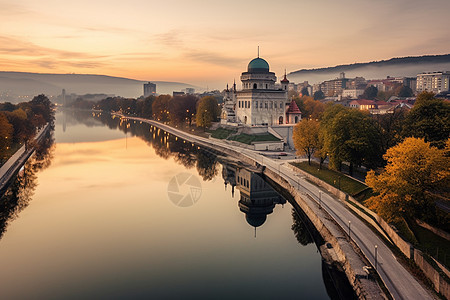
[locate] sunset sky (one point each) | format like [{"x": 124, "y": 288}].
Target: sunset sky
[{"x": 211, "y": 42}]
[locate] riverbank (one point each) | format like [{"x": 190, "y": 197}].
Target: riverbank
[
  {"x": 18, "y": 159},
  {"x": 354, "y": 245}
]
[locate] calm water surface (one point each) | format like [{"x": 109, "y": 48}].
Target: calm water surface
[{"x": 91, "y": 217}]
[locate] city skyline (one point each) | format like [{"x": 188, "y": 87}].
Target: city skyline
[{"x": 209, "y": 45}]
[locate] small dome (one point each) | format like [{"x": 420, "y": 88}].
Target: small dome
[{"x": 258, "y": 65}]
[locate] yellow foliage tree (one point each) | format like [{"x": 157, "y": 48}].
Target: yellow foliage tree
[
  {"x": 306, "y": 137},
  {"x": 415, "y": 171}
]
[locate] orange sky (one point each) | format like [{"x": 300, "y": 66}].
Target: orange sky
[{"x": 211, "y": 42}]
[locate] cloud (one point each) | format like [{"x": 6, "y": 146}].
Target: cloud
[
  {"x": 212, "y": 58},
  {"x": 44, "y": 57}
]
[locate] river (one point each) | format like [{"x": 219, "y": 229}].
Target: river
[{"x": 108, "y": 209}]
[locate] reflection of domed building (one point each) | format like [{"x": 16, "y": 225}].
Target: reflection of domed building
[{"x": 257, "y": 198}]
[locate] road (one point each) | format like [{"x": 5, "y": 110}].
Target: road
[{"x": 400, "y": 283}]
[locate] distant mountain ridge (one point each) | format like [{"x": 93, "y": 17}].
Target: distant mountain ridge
[
  {"x": 23, "y": 83},
  {"x": 400, "y": 66}
]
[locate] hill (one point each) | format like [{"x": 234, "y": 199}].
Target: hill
[
  {"x": 395, "y": 67},
  {"x": 21, "y": 83}
]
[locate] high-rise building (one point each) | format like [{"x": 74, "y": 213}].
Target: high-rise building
[
  {"x": 149, "y": 89},
  {"x": 435, "y": 82}
]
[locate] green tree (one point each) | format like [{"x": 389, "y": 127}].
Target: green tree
[
  {"x": 306, "y": 137},
  {"x": 404, "y": 91},
  {"x": 319, "y": 95},
  {"x": 370, "y": 93},
  {"x": 304, "y": 91},
  {"x": 414, "y": 173},
  {"x": 350, "y": 136},
  {"x": 208, "y": 111},
  {"x": 390, "y": 128},
  {"x": 429, "y": 119}
]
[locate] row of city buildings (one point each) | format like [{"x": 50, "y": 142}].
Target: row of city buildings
[{"x": 436, "y": 82}]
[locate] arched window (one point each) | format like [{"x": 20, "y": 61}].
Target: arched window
[
  {"x": 245, "y": 120},
  {"x": 255, "y": 86},
  {"x": 280, "y": 120},
  {"x": 267, "y": 86},
  {"x": 296, "y": 119}
]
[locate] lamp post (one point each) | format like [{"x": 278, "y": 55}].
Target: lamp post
[
  {"x": 320, "y": 199},
  {"x": 376, "y": 248},
  {"x": 349, "y": 230}
]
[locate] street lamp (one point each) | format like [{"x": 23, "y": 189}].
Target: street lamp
[
  {"x": 349, "y": 230},
  {"x": 320, "y": 199},
  {"x": 376, "y": 248}
]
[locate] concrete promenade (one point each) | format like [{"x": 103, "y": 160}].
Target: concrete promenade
[
  {"x": 15, "y": 162},
  {"x": 400, "y": 283}
]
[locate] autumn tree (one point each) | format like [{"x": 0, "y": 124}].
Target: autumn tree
[
  {"x": 160, "y": 108},
  {"x": 6, "y": 131},
  {"x": 415, "y": 171},
  {"x": 208, "y": 111},
  {"x": 144, "y": 107},
  {"x": 182, "y": 109},
  {"x": 429, "y": 119},
  {"x": 306, "y": 137}
]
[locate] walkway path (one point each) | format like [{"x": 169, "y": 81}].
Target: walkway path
[
  {"x": 401, "y": 284},
  {"x": 15, "y": 162}
]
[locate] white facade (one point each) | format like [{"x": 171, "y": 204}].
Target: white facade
[
  {"x": 352, "y": 94},
  {"x": 435, "y": 82},
  {"x": 260, "y": 102}
]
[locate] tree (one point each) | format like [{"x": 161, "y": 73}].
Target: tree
[
  {"x": 415, "y": 171},
  {"x": 144, "y": 107},
  {"x": 313, "y": 109},
  {"x": 6, "y": 132},
  {"x": 160, "y": 108},
  {"x": 182, "y": 108},
  {"x": 319, "y": 95},
  {"x": 429, "y": 119},
  {"x": 208, "y": 111},
  {"x": 350, "y": 136},
  {"x": 404, "y": 91},
  {"x": 370, "y": 93},
  {"x": 306, "y": 137},
  {"x": 390, "y": 127},
  {"x": 41, "y": 105},
  {"x": 304, "y": 91}
]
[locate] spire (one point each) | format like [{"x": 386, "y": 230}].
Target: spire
[
  {"x": 234, "y": 85},
  {"x": 227, "y": 87},
  {"x": 258, "y": 51}
]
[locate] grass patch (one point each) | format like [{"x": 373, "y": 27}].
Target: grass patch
[
  {"x": 221, "y": 133},
  {"x": 432, "y": 244},
  {"x": 248, "y": 139},
  {"x": 345, "y": 184}
]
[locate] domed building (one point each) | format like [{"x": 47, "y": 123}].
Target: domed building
[{"x": 260, "y": 102}]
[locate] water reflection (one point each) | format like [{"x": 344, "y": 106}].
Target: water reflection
[
  {"x": 211, "y": 255},
  {"x": 20, "y": 192}
]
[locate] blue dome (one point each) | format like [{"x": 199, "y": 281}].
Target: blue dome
[{"x": 258, "y": 65}]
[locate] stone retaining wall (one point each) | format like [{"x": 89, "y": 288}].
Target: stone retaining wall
[{"x": 440, "y": 284}]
